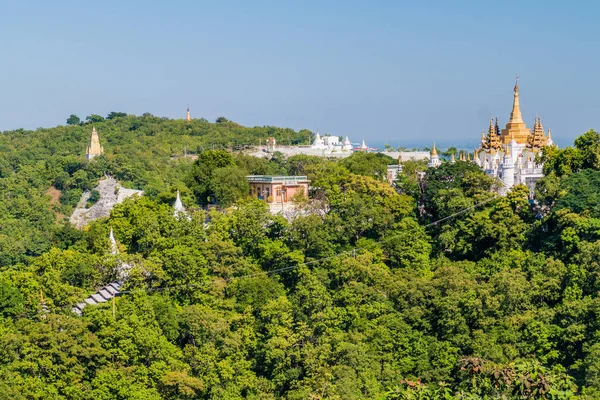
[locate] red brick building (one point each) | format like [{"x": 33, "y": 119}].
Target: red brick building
[{"x": 277, "y": 189}]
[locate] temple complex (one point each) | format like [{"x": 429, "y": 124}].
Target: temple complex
[
  {"x": 509, "y": 154},
  {"x": 94, "y": 149},
  {"x": 331, "y": 143}
]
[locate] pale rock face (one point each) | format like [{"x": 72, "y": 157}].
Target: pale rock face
[{"x": 111, "y": 194}]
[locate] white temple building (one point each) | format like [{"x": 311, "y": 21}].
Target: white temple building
[
  {"x": 331, "y": 143},
  {"x": 510, "y": 154},
  {"x": 434, "y": 159}
]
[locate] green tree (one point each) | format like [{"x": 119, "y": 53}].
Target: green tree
[
  {"x": 373, "y": 165},
  {"x": 115, "y": 114},
  {"x": 11, "y": 300},
  {"x": 200, "y": 177},
  {"x": 94, "y": 118},
  {"x": 73, "y": 120},
  {"x": 229, "y": 184}
]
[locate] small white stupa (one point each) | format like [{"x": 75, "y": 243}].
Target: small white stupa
[
  {"x": 114, "y": 250},
  {"x": 179, "y": 209},
  {"x": 347, "y": 146}
]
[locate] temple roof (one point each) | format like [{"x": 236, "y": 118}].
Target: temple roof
[{"x": 434, "y": 152}]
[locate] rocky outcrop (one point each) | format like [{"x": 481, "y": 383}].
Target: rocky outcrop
[{"x": 111, "y": 194}]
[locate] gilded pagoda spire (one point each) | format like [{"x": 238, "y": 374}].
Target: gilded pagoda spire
[
  {"x": 515, "y": 115},
  {"x": 94, "y": 149},
  {"x": 434, "y": 151},
  {"x": 188, "y": 115},
  {"x": 515, "y": 129}
]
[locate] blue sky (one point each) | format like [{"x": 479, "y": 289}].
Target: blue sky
[{"x": 389, "y": 71}]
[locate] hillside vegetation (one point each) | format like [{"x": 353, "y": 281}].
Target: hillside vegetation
[{"x": 363, "y": 296}]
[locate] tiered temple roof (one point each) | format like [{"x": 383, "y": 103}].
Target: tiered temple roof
[
  {"x": 492, "y": 141},
  {"x": 516, "y": 130},
  {"x": 537, "y": 137}
]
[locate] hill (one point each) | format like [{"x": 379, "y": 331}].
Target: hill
[
  {"x": 432, "y": 288},
  {"x": 142, "y": 152}
]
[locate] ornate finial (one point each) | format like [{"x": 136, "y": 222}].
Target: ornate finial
[
  {"x": 434, "y": 151},
  {"x": 517, "y": 83},
  {"x": 549, "y": 135}
]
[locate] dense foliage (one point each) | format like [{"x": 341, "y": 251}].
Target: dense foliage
[{"x": 361, "y": 295}]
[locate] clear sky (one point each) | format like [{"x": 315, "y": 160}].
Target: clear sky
[{"x": 401, "y": 72}]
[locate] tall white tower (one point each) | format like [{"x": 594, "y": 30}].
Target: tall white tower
[{"x": 508, "y": 170}]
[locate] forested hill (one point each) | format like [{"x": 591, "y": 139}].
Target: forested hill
[
  {"x": 139, "y": 151},
  {"x": 434, "y": 288}
]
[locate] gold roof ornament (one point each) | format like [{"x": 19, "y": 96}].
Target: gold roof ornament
[
  {"x": 515, "y": 115},
  {"x": 434, "y": 152},
  {"x": 536, "y": 138}
]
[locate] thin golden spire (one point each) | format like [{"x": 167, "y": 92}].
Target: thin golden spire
[
  {"x": 515, "y": 115},
  {"x": 434, "y": 151}
]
